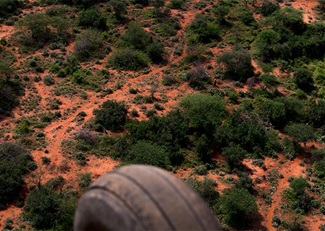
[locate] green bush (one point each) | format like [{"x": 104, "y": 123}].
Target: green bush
[
  {"x": 155, "y": 51},
  {"x": 14, "y": 161},
  {"x": 271, "y": 111},
  {"x": 237, "y": 64},
  {"x": 37, "y": 30},
  {"x": 146, "y": 152},
  {"x": 300, "y": 132},
  {"x": 170, "y": 131},
  {"x": 203, "y": 30},
  {"x": 9, "y": 92},
  {"x": 234, "y": 153},
  {"x": 111, "y": 115},
  {"x": 47, "y": 209},
  {"x": 269, "y": 7},
  {"x": 204, "y": 112},
  {"x": 84, "y": 180},
  {"x": 206, "y": 188},
  {"x": 8, "y": 7},
  {"x": 319, "y": 169},
  {"x": 128, "y": 59},
  {"x": 48, "y": 80},
  {"x": 303, "y": 79},
  {"x": 246, "y": 132},
  {"x": 91, "y": 18},
  {"x": 237, "y": 206},
  {"x": 136, "y": 37},
  {"x": 88, "y": 44}
]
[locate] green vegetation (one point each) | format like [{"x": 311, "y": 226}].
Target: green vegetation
[
  {"x": 48, "y": 209},
  {"x": 239, "y": 80},
  {"x": 111, "y": 115},
  {"x": 237, "y": 207},
  {"x": 15, "y": 162},
  {"x": 237, "y": 63}
]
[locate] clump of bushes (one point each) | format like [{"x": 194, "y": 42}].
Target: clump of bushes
[
  {"x": 92, "y": 18},
  {"x": 14, "y": 162},
  {"x": 88, "y": 44},
  {"x": 128, "y": 59},
  {"x": 111, "y": 115}
]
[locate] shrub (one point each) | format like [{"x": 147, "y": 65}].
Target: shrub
[
  {"x": 204, "y": 112},
  {"x": 298, "y": 185},
  {"x": 300, "y": 132},
  {"x": 269, "y": 7},
  {"x": 237, "y": 63},
  {"x": 265, "y": 44},
  {"x": 155, "y": 51},
  {"x": 111, "y": 115},
  {"x": 246, "y": 132},
  {"x": 92, "y": 18},
  {"x": 237, "y": 205},
  {"x": 88, "y": 44},
  {"x": 8, "y": 7},
  {"x": 234, "y": 154},
  {"x": 48, "y": 80},
  {"x": 84, "y": 180},
  {"x": 14, "y": 161},
  {"x": 128, "y": 59},
  {"x": 203, "y": 30},
  {"x": 136, "y": 37},
  {"x": 319, "y": 169},
  {"x": 206, "y": 188},
  {"x": 146, "y": 152},
  {"x": 303, "y": 79},
  {"x": 47, "y": 209}
]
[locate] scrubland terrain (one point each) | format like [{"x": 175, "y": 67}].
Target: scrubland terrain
[{"x": 228, "y": 95}]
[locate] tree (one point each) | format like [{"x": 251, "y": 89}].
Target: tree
[
  {"x": 206, "y": 188},
  {"x": 155, "y": 51},
  {"x": 237, "y": 64},
  {"x": 88, "y": 44},
  {"x": 136, "y": 37},
  {"x": 271, "y": 111},
  {"x": 119, "y": 7},
  {"x": 265, "y": 44},
  {"x": 146, "y": 152},
  {"x": 270, "y": 81},
  {"x": 298, "y": 185},
  {"x": 237, "y": 205},
  {"x": 112, "y": 115},
  {"x": 303, "y": 79},
  {"x": 269, "y": 7},
  {"x": 47, "y": 209},
  {"x": 204, "y": 112},
  {"x": 234, "y": 154},
  {"x": 128, "y": 59},
  {"x": 300, "y": 132},
  {"x": 14, "y": 162},
  {"x": 92, "y": 18}
]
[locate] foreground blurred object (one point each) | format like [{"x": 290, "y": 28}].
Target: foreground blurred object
[{"x": 138, "y": 197}]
